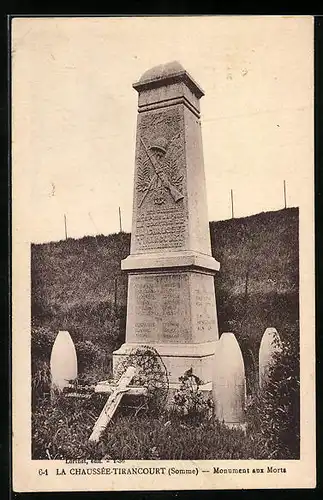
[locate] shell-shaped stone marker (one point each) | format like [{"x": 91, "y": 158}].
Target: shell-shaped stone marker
[
  {"x": 63, "y": 361},
  {"x": 270, "y": 344},
  {"x": 229, "y": 382}
]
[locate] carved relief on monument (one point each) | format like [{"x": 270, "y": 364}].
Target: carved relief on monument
[
  {"x": 160, "y": 171},
  {"x": 160, "y": 157},
  {"x": 161, "y": 219}
]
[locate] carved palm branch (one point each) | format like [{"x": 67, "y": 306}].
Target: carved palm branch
[
  {"x": 174, "y": 161},
  {"x": 143, "y": 175}
]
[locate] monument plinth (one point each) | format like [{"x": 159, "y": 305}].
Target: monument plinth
[{"x": 171, "y": 297}]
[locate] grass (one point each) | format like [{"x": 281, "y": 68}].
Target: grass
[{"x": 61, "y": 430}]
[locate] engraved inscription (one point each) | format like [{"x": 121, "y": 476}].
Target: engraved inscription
[
  {"x": 160, "y": 229},
  {"x": 144, "y": 329},
  {"x": 170, "y": 329},
  {"x": 205, "y": 324},
  {"x": 171, "y": 299},
  {"x": 204, "y": 301},
  {"x": 161, "y": 308},
  {"x": 205, "y": 307},
  {"x": 145, "y": 299}
]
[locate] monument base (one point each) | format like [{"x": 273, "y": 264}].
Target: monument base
[
  {"x": 203, "y": 360},
  {"x": 177, "y": 358}
]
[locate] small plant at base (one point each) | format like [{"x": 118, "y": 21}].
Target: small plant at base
[{"x": 189, "y": 403}]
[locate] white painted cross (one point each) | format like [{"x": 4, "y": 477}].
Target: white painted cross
[{"x": 112, "y": 404}]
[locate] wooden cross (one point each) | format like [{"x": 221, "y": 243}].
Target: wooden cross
[{"x": 112, "y": 404}]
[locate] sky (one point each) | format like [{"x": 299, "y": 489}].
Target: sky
[{"x": 74, "y": 114}]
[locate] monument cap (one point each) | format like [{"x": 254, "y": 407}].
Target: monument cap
[
  {"x": 168, "y": 73},
  {"x": 162, "y": 71}
]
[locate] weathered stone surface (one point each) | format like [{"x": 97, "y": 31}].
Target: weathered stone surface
[
  {"x": 171, "y": 297},
  {"x": 177, "y": 312},
  {"x": 171, "y": 308},
  {"x": 170, "y": 259},
  {"x": 167, "y": 80},
  {"x": 178, "y": 358},
  {"x": 169, "y": 210},
  {"x": 162, "y": 71},
  {"x": 270, "y": 344},
  {"x": 229, "y": 383},
  {"x": 63, "y": 361}
]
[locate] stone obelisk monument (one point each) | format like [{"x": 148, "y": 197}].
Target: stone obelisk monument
[{"x": 171, "y": 296}]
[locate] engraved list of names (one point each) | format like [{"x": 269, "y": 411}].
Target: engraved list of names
[{"x": 158, "y": 229}]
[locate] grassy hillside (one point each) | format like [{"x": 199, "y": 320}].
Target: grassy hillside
[
  {"x": 77, "y": 284},
  {"x": 257, "y": 286}
]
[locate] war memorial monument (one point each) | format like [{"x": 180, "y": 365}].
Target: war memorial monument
[{"x": 171, "y": 296}]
